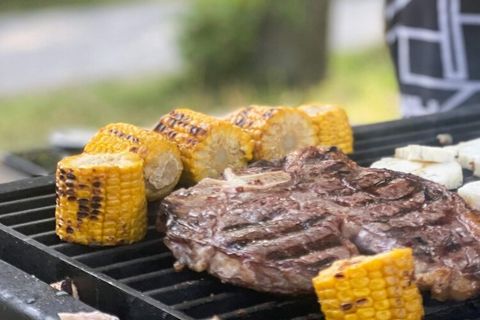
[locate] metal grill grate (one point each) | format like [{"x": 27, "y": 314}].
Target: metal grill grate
[
  {"x": 145, "y": 268},
  {"x": 139, "y": 282}
]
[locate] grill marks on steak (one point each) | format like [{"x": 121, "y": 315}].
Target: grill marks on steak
[{"x": 274, "y": 225}]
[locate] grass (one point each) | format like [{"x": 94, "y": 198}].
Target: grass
[{"x": 364, "y": 83}]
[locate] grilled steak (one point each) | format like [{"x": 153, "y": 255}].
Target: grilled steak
[{"x": 273, "y": 226}]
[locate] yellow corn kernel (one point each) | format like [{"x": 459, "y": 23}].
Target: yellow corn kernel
[
  {"x": 360, "y": 282},
  {"x": 366, "y": 313},
  {"x": 379, "y": 295},
  {"x": 375, "y": 274},
  {"x": 377, "y": 284},
  {"x": 275, "y": 130},
  {"x": 337, "y": 315},
  {"x": 332, "y": 126},
  {"x": 92, "y": 208},
  {"x": 327, "y": 294},
  {"x": 362, "y": 292},
  {"x": 162, "y": 163},
  {"x": 383, "y": 315},
  {"x": 383, "y": 304},
  {"x": 399, "y": 313},
  {"x": 207, "y": 145},
  {"x": 370, "y": 287}
]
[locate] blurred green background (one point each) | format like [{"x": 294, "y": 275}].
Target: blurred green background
[{"x": 227, "y": 59}]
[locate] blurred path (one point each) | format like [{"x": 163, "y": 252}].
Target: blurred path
[
  {"x": 54, "y": 47},
  {"x": 51, "y": 47}
]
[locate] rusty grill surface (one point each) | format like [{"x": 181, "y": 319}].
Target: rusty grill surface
[{"x": 138, "y": 281}]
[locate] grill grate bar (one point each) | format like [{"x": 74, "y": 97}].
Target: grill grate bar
[
  {"x": 279, "y": 309},
  {"x": 220, "y": 303},
  {"x": 111, "y": 255},
  {"x": 26, "y": 215},
  {"x": 47, "y": 238},
  {"x": 33, "y": 227},
  {"x": 158, "y": 278},
  {"x": 213, "y": 298},
  {"x": 244, "y": 312},
  {"x": 114, "y": 250},
  {"x": 61, "y": 245},
  {"x": 188, "y": 290},
  {"x": 147, "y": 276},
  {"x": 175, "y": 287},
  {"x": 27, "y": 203},
  {"x": 440, "y": 121},
  {"x": 71, "y": 249},
  {"x": 42, "y": 235},
  {"x": 128, "y": 263},
  {"x": 457, "y": 131},
  {"x": 27, "y": 188}
]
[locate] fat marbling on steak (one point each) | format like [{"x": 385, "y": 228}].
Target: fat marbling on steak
[{"x": 273, "y": 226}]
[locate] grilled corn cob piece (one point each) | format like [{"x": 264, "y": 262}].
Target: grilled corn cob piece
[
  {"x": 375, "y": 287},
  {"x": 207, "y": 145},
  {"x": 275, "y": 130},
  {"x": 101, "y": 199},
  {"x": 162, "y": 166},
  {"x": 332, "y": 126}
]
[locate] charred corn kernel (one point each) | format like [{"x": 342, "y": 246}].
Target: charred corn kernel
[
  {"x": 275, "y": 130},
  {"x": 358, "y": 295},
  {"x": 101, "y": 199},
  {"x": 332, "y": 125},
  {"x": 162, "y": 163},
  {"x": 208, "y": 145}
]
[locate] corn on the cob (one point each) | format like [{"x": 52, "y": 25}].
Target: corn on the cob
[
  {"x": 332, "y": 126},
  {"x": 275, "y": 130},
  {"x": 376, "y": 287},
  {"x": 162, "y": 166},
  {"x": 101, "y": 199},
  {"x": 207, "y": 145}
]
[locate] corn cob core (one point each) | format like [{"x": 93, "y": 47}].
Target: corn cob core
[
  {"x": 101, "y": 199},
  {"x": 332, "y": 126},
  {"x": 375, "y": 287},
  {"x": 162, "y": 166},
  {"x": 208, "y": 145},
  {"x": 275, "y": 130}
]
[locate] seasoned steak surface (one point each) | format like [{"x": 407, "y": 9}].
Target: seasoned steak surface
[{"x": 273, "y": 226}]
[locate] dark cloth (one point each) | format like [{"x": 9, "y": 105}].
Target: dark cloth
[{"x": 435, "y": 45}]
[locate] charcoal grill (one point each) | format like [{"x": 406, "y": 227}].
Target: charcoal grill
[{"x": 138, "y": 281}]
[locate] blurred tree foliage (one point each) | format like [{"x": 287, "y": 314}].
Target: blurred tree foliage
[{"x": 260, "y": 41}]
